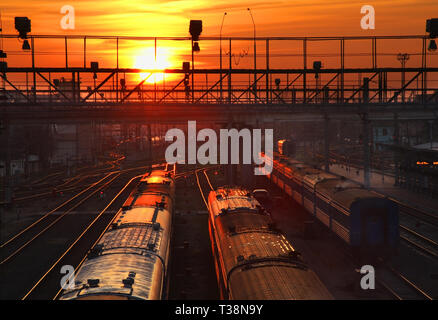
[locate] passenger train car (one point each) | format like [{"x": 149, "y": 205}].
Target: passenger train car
[
  {"x": 363, "y": 219},
  {"x": 131, "y": 259},
  {"x": 253, "y": 259}
]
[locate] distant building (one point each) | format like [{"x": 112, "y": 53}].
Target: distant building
[
  {"x": 70, "y": 147},
  {"x": 20, "y": 166},
  {"x": 417, "y": 167}
]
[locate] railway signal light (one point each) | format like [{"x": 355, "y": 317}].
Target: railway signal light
[
  {"x": 3, "y": 66},
  {"x": 186, "y": 67},
  {"x": 432, "y": 29},
  {"x": 195, "y": 31},
  {"x": 317, "y": 65},
  {"x": 123, "y": 84},
  {"x": 23, "y": 26}
]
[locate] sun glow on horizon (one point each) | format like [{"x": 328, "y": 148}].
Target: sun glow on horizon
[{"x": 146, "y": 59}]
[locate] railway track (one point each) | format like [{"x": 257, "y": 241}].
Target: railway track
[
  {"x": 17, "y": 243},
  {"x": 414, "y": 238},
  {"x": 48, "y": 285},
  {"x": 71, "y": 182},
  {"x": 44, "y": 186},
  {"x": 87, "y": 187},
  {"x": 399, "y": 286},
  {"x": 431, "y": 219},
  {"x": 419, "y": 241},
  {"x": 203, "y": 184},
  {"x": 32, "y": 259}
]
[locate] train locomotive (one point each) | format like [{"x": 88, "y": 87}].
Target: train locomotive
[
  {"x": 131, "y": 259},
  {"x": 366, "y": 221},
  {"x": 253, "y": 259}
]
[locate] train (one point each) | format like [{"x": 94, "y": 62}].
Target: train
[
  {"x": 253, "y": 259},
  {"x": 366, "y": 221},
  {"x": 286, "y": 147},
  {"x": 131, "y": 259}
]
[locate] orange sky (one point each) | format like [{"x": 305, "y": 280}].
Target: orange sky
[
  {"x": 272, "y": 17},
  {"x": 171, "y": 18}
]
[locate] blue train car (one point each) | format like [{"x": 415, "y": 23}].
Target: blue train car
[{"x": 363, "y": 219}]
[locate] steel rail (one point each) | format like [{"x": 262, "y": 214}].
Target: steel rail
[
  {"x": 79, "y": 238},
  {"x": 52, "y": 211},
  {"x": 20, "y": 249},
  {"x": 200, "y": 188}
]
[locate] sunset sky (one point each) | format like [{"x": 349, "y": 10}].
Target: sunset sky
[
  {"x": 171, "y": 18},
  {"x": 273, "y": 18}
]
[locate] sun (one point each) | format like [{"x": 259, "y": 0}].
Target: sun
[{"x": 145, "y": 59}]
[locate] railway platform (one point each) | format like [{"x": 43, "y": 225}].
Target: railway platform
[{"x": 384, "y": 184}]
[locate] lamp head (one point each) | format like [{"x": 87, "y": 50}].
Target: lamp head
[
  {"x": 196, "y": 46},
  {"x": 432, "y": 46},
  {"x": 432, "y": 27},
  {"x": 26, "y": 45},
  {"x": 23, "y": 26},
  {"x": 195, "y": 29},
  {"x": 317, "y": 65}
]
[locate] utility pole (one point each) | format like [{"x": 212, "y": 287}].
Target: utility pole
[
  {"x": 403, "y": 58},
  {"x": 365, "y": 134},
  {"x": 255, "y": 54},
  {"x": 8, "y": 181},
  {"x": 326, "y": 144},
  {"x": 220, "y": 56}
]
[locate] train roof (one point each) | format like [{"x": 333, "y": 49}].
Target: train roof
[
  {"x": 315, "y": 178},
  {"x": 231, "y": 199},
  {"x": 162, "y": 173},
  {"x": 157, "y": 173},
  {"x": 156, "y": 179},
  {"x": 267, "y": 284},
  {"x": 123, "y": 265},
  {"x": 345, "y": 192},
  {"x": 261, "y": 262},
  {"x": 121, "y": 254}
]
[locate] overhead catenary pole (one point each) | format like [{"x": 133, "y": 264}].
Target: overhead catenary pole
[
  {"x": 33, "y": 67},
  {"x": 220, "y": 57},
  {"x": 193, "y": 74},
  {"x": 229, "y": 75},
  {"x": 365, "y": 134},
  {"x": 255, "y": 53},
  {"x": 326, "y": 144}
]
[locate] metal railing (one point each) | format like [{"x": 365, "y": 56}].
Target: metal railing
[{"x": 290, "y": 70}]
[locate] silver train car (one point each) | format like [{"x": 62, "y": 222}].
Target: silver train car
[
  {"x": 131, "y": 259},
  {"x": 253, "y": 259}
]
